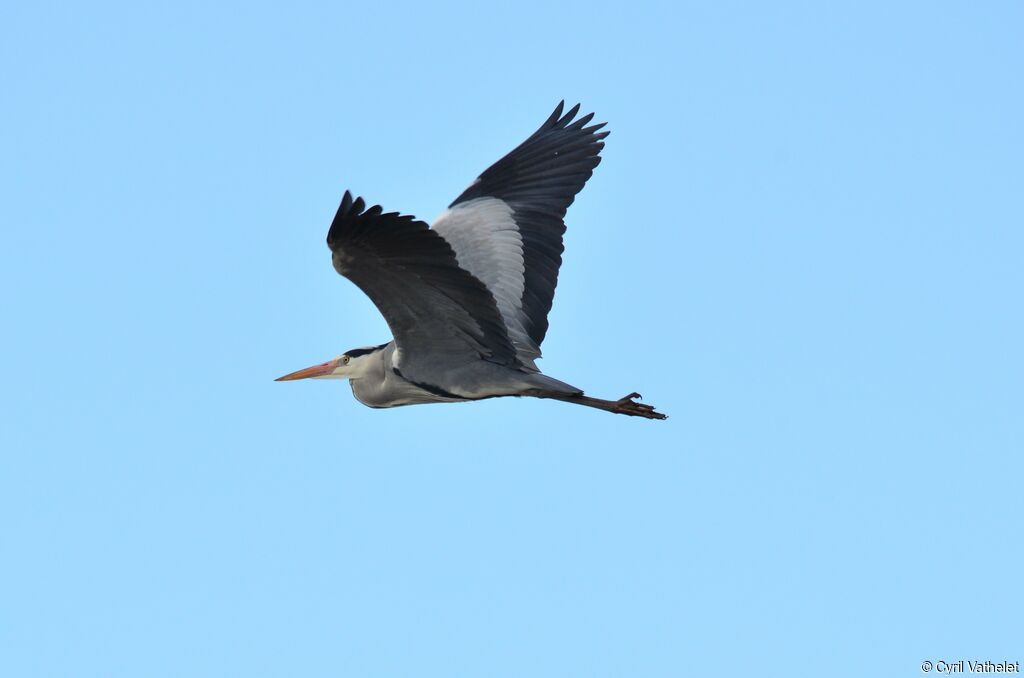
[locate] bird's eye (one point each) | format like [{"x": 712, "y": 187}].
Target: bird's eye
[{"x": 345, "y": 359}]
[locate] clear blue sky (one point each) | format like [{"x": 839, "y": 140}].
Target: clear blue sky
[{"x": 804, "y": 244}]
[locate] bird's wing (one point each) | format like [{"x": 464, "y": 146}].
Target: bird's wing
[
  {"x": 506, "y": 228},
  {"x": 440, "y": 314}
]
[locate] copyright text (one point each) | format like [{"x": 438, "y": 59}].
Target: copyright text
[{"x": 968, "y": 666}]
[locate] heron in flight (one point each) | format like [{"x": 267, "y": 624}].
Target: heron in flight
[{"x": 467, "y": 299}]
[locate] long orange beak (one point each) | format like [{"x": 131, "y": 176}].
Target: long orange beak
[{"x": 320, "y": 370}]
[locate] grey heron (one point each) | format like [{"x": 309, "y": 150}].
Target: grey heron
[{"x": 467, "y": 299}]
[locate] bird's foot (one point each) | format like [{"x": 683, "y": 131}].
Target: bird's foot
[{"x": 628, "y": 405}]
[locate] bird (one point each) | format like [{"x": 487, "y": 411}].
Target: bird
[{"x": 467, "y": 298}]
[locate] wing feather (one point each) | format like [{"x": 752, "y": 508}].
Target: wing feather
[
  {"x": 440, "y": 314},
  {"x": 506, "y": 228}
]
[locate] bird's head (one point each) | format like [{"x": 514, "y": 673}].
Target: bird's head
[{"x": 349, "y": 365}]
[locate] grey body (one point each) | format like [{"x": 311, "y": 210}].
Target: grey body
[
  {"x": 467, "y": 299},
  {"x": 381, "y": 385}
]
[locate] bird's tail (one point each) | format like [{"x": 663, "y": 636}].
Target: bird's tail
[{"x": 546, "y": 384}]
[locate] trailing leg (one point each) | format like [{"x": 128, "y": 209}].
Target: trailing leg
[{"x": 627, "y": 405}]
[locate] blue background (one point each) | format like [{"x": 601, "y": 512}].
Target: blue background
[{"x": 804, "y": 244}]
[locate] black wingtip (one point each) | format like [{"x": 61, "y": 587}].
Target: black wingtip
[
  {"x": 578, "y": 124},
  {"x": 569, "y": 115},
  {"x": 565, "y": 121},
  {"x": 555, "y": 115},
  {"x": 346, "y": 209}
]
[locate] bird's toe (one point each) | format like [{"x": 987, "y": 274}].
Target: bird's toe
[{"x": 628, "y": 405}]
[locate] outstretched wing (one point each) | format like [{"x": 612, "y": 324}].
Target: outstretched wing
[
  {"x": 506, "y": 228},
  {"x": 441, "y": 316}
]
